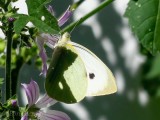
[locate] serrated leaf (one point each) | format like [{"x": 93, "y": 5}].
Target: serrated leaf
[
  {"x": 49, "y": 19},
  {"x": 37, "y": 9},
  {"x": 144, "y": 19},
  {"x": 21, "y": 21}
]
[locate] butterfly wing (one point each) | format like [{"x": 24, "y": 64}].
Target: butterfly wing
[
  {"x": 100, "y": 79},
  {"x": 66, "y": 79}
]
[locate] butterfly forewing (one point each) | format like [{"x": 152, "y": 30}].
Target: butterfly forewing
[
  {"x": 100, "y": 79},
  {"x": 66, "y": 79}
]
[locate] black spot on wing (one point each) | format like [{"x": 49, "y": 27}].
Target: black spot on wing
[{"x": 91, "y": 75}]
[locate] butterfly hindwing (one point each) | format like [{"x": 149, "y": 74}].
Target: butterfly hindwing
[
  {"x": 66, "y": 79},
  {"x": 100, "y": 79}
]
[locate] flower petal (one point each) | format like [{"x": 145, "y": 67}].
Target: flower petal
[
  {"x": 52, "y": 40},
  {"x": 43, "y": 56},
  {"x": 52, "y": 115},
  {"x": 28, "y": 93},
  {"x": 50, "y": 9},
  {"x": 45, "y": 101},
  {"x": 32, "y": 92},
  {"x": 35, "y": 91},
  {"x": 25, "y": 117},
  {"x": 64, "y": 18},
  {"x": 40, "y": 42}
]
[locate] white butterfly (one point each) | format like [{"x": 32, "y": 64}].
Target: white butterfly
[{"x": 76, "y": 72}]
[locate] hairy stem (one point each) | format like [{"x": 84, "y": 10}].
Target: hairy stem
[
  {"x": 81, "y": 20},
  {"x": 8, "y": 61}
]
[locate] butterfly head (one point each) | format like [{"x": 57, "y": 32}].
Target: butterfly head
[{"x": 66, "y": 37}]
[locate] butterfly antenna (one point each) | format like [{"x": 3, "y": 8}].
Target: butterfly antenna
[{"x": 75, "y": 26}]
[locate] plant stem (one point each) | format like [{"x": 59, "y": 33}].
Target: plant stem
[
  {"x": 81, "y": 20},
  {"x": 8, "y": 61}
]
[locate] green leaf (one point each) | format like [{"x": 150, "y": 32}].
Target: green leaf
[
  {"x": 144, "y": 19},
  {"x": 66, "y": 79},
  {"x": 21, "y": 21},
  {"x": 35, "y": 5},
  {"x": 43, "y": 26},
  {"x": 37, "y": 11}
]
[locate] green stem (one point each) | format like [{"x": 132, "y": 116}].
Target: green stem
[
  {"x": 8, "y": 61},
  {"x": 81, "y": 20}
]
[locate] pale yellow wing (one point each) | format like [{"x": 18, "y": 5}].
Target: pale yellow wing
[{"x": 100, "y": 79}]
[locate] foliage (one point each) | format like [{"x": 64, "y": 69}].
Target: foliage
[
  {"x": 37, "y": 12},
  {"x": 144, "y": 19}
]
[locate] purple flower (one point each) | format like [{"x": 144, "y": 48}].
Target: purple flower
[
  {"x": 64, "y": 18},
  {"x": 14, "y": 103},
  {"x": 50, "y": 40},
  {"x": 25, "y": 117},
  {"x": 11, "y": 19},
  {"x": 35, "y": 107}
]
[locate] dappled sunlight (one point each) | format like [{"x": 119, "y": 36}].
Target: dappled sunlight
[
  {"x": 143, "y": 97},
  {"x": 109, "y": 49},
  {"x": 79, "y": 110},
  {"x": 92, "y": 21},
  {"x": 133, "y": 59},
  {"x": 121, "y": 85}
]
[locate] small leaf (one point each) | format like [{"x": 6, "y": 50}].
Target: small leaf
[
  {"x": 144, "y": 19},
  {"x": 21, "y": 21}
]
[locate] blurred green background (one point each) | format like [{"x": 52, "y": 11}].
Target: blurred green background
[{"x": 137, "y": 73}]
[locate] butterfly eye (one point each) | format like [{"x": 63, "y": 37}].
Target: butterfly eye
[{"x": 91, "y": 75}]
